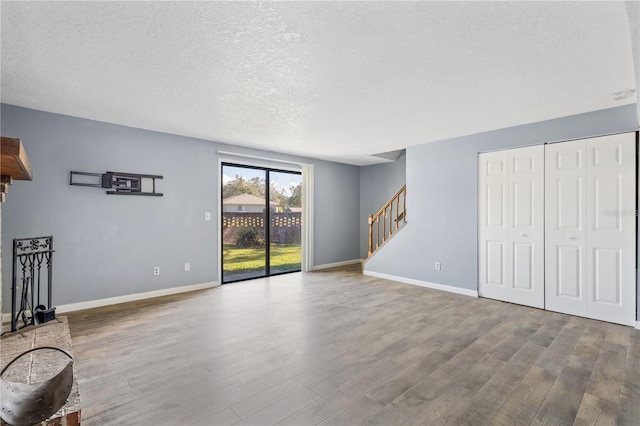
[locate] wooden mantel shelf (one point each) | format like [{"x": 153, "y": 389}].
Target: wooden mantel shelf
[
  {"x": 14, "y": 160},
  {"x": 14, "y": 164}
]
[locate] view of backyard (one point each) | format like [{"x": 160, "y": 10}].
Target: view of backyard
[
  {"x": 284, "y": 257},
  {"x": 260, "y": 208}
]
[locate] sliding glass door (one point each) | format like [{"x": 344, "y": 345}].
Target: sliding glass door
[
  {"x": 285, "y": 225},
  {"x": 261, "y": 222}
]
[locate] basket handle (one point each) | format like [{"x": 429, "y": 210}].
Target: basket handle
[{"x": 32, "y": 350}]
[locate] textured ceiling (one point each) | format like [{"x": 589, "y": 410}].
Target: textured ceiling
[{"x": 334, "y": 80}]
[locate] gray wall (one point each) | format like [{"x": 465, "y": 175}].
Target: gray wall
[
  {"x": 337, "y": 205},
  {"x": 442, "y": 189},
  {"x": 107, "y": 245},
  {"x": 378, "y": 183}
]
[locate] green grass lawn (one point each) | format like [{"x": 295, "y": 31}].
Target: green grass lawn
[{"x": 283, "y": 258}]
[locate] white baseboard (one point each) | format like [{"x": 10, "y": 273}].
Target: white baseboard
[
  {"x": 450, "y": 289},
  {"x": 70, "y": 307},
  {"x": 336, "y": 264},
  {"x": 638, "y": 325}
]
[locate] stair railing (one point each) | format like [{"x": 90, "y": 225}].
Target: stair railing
[{"x": 388, "y": 220}]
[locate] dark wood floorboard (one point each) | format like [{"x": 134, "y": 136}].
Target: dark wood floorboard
[{"x": 335, "y": 347}]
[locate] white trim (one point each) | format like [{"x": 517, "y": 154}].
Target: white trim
[
  {"x": 336, "y": 264},
  {"x": 218, "y": 205},
  {"x": 450, "y": 289},
  {"x": 308, "y": 184},
  {"x": 263, "y": 165},
  {"x": 133, "y": 297},
  {"x": 257, "y": 157},
  {"x": 70, "y": 307},
  {"x": 638, "y": 325}
]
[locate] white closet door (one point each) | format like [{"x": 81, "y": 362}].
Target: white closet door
[
  {"x": 611, "y": 228},
  {"x": 511, "y": 226},
  {"x": 526, "y": 231},
  {"x": 493, "y": 232},
  {"x": 565, "y": 237},
  {"x": 590, "y": 228}
]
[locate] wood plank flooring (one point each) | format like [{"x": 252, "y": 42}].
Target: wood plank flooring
[{"x": 335, "y": 347}]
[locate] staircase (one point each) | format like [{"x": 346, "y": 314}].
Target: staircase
[{"x": 389, "y": 219}]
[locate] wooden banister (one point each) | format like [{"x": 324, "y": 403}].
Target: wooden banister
[{"x": 394, "y": 212}]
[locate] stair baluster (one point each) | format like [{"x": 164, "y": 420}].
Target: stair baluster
[{"x": 385, "y": 214}]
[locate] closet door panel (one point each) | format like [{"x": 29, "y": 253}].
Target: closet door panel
[
  {"x": 565, "y": 236},
  {"x": 611, "y": 228},
  {"x": 511, "y": 226},
  {"x": 493, "y": 233},
  {"x": 526, "y": 231}
]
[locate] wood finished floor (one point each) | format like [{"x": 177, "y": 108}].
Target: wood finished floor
[{"x": 337, "y": 348}]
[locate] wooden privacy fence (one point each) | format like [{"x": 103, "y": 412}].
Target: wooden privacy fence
[
  {"x": 383, "y": 224},
  {"x": 285, "y": 227}
]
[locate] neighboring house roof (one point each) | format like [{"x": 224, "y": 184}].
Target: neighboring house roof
[
  {"x": 295, "y": 209},
  {"x": 247, "y": 200}
]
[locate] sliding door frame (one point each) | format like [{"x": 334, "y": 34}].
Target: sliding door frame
[{"x": 253, "y": 162}]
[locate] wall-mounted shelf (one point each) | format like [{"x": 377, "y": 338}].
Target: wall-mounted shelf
[{"x": 14, "y": 164}]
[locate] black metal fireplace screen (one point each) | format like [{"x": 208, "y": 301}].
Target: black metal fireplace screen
[{"x": 32, "y": 273}]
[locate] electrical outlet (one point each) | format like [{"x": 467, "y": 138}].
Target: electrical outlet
[
  {"x": 207, "y": 215},
  {"x": 156, "y": 270},
  {"x": 438, "y": 266},
  {"x": 187, "y": 267}
]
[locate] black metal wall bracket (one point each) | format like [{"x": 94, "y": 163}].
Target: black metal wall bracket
[{"x": 119, "y": 183}]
